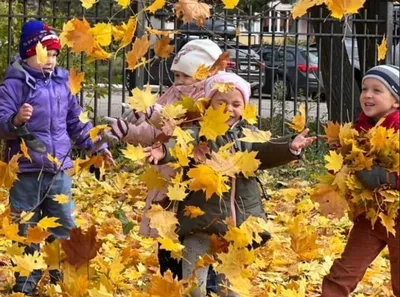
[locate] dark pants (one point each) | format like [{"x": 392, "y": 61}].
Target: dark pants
[{"x": 363, "y": 246}]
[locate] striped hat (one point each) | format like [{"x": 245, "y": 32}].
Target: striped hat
[{"x": 389, "y": 75}]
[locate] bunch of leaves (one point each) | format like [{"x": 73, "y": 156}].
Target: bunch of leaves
[{"x": 340, "y": 190}]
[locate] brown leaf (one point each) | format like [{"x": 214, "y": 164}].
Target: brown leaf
[
  {"x": 139, "y": 49},
  {"x": 37, "y": 234},
  {"x": 200, "y": 152},
  {"x": 162, "y": 138},
  {"x": 192, "y": 10},
  {"x": 162, "y": 48},
  {"x": 220, "y": 64},
  {"x": 81, "y": 248},
  {"x": 219, "y": 244}
]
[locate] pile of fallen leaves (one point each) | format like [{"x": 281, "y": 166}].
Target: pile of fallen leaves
[{"x": 340, "y": 190}]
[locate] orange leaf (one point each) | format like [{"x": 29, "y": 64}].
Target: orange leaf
[
  {"x": 166, "y": 285},
  {"x": 193, "y": 211},
  {"x": 299, "y": 121},
  {"x": 162, "y": 47},
  {"x": 341, "y": 8},
  {"x": 24, "y": 150},
  {"x": 36, "y": 234},
  {"x": 329, "y": 200},
  {"x": 301, "y": 7},
  {"x": 192, "y": 10},
  {"x": 139, "y": 49},
  {"x": 125, "y": 32},
  {"x": 382, "y": 49},
  {"x": 332, "y": 131},
  {"x": 8, "y": 171},
  {"x": 157, "y": 4},
  {"x": 11, "y": 231},
  {"x": 81, "y": 248},
  {"x": 75, "y": 80},
  {"x": 80, "y": 36},
  {"x": 220, "y": 64}
]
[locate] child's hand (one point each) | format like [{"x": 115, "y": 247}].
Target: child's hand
[
  {"x": 302, "y": 141},
  {"x": 154, "y": 153},
  {"x": 23, "y": 115}
]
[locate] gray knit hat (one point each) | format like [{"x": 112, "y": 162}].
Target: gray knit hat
[{"x": 389, "y": 75}]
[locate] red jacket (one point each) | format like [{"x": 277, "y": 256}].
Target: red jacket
[{"x": 392, "y": 120}]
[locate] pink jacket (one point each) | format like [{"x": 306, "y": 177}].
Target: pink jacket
[{"x": 145, "y": 134}]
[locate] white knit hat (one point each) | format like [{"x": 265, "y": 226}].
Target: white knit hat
[{"x": 193, "y": 54}]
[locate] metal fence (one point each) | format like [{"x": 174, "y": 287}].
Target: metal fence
[{"x": 315, "y": 60}]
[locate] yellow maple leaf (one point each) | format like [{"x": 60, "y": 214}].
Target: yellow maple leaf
[
  {"x": 75, "y": 80},
  {"x": 230, "y": 4},
  {"x": 335, "y": 161},
  {"x": 305, "y": 245},
  {"x": 98, "y": 53},
  {"x": 173, "y": 111},
  {"x": 36, "y": 234},
  {"x": 48, "y": 222},
  {"x": 53, "y": 160},
  {"x": 79, "y": 36},
  {"x": 88, "y": 3},
  {"x": 61, "y": 198},
  {"x": 139, "y": 49},
  {"x": 8, "y": 171},
  {"x": 84, "y": 117},
  {"x": 161, "y": 32},
  {"x": 163, "y": 220},
  {"x": 389, "y": 223},
  {"x": 341, "y": 8},
  {"x": 193, "y": 211},
  {"x": 202, "y": 72},
  {"x": 192, "y": 10},
  {"x": 103, "y": 33},
  {"x": 125, "y": 32},
  {"x": 24, "y": 150},
  {"x": 238, "y": 236},
  {"x": 224, "y": 87},
  {"x": 11, "y": 231},
  {"x": 173, "y": 246},
  {"x": 15, "y": 250},
  {"x": 332, "y": 131},
  {"x": 156, "y": 5},
  {"x": 204, "y": 178},
  {"x": 247, "y": 163},
  {"x": 213, "y": 123},
  {"x": 133, "y": 153},
  {"x": 166, "y": 285},
  {"x": 182, "y": 155},
  {"x": 141, "y": 100},
  {"x": 124, "y": 3},
  {"x": 347, "y": 134},
  {"x": 26, "y": 216},
  {"x": 153, "y": 179},
  {"x": 256, "y": 136},
  {"x": 250, "y": 114},
  {"x": 41, "y": 53},
  {"x": 382, "y": 49},
  {"x": 25, "y": 264},
  {"x": 177, "y": 192},
  {"x": 183, "y": 137},
  {"x": 53, "y": 254},
  {"x": 299, "y": 121},
  {"x": 98, "y": 130},
  {"x": 301, "y": 7}
]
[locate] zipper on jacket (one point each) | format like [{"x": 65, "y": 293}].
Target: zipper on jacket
[{"x": 58, "y": 102}]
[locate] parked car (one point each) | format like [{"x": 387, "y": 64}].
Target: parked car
[
  {"x": 287, "y": 68},
  {"x": 243, "y": 60}
]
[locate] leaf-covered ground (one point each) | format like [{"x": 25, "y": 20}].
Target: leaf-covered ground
[{"x": 293, "y": 263}]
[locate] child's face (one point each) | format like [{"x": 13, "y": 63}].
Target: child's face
[
  {"x": 234, "y": 104},
  {"x": 376, "y": 100},
  {"x": 50, "y": 64},
  {"x": 183, "y": 79}
]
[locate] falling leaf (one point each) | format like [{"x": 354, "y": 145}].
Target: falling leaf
[
  {"x": 173, "y": 111},
  {"x": 341, "y": 8},
  {"x": 84, "y": 117},
  {"x": 124, "y": 3},
  {"x": 81, "y": 247},
  {"x": 98, "y": 53},
  {"x": 125, "y": 32},
  {"x": 237, "y": 32},
  {"x": 202, "y": 72},
  {"x": 220, "y": 64},
  {"x": 230, "y": 4},
  {"x": 256, "y": 136},
  {"x": 329, "y": 200},
  {"x": 200, "y": 152},
  {"x": 224, "y": 87},
  {"x": 24, "y": 150},
  {"x": 8, "y": 171},
  {"x": 250, "y": 114},
  {"x": 78, "y": 35},
  {"x": 53, "y": 254},
  {"x": 164, "y": 221},
  {"x": 332, "y": 131},
  {"x": 139, "y": 49},
  {"x": 193, "y": 211},
  {"x": 141, "y": 100},
  {"x": 300, "y": 7},
  {"x": 247, "y": 163},
  {"x": 133, "y": 153},
  {"x": 213, "y": 123},
  {"x": 27, "y": 263},
  {"x": 382, "y": 49},
  {"x": 162, "y": 48},
  {"x": 192, "y": 10},
  {"x": 48, "y": 222},
  {"x": 170, "y": 245},
  {"x": 11, "y": 231},
  {"x": 98, "y": 130},
  {"x": 176, "y": 192},
  {"x": 161, "y": 32},
  {"x": 36, "y": 234},
  {"x": 152, "y": 179},
  {"x": 156, "y": 5},
  {"x": 103, "y": 33},
  {"x": 41, "y": 53},
  {"x": 75, "y": 80},
  {"x": 61, "y": 198},
  {"x": 26, "y": 216},
  {"x": 335, "y": 161},
  {"x": 88, "y": 3},
  {"x": 299, "y": 121}
]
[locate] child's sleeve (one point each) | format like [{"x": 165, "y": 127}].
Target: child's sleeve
[
  {"x": 378, "y": 176},
  {"x": 275, "y": 152},
  {"x": 144, "y": 134},
  {"x": 78, "y": 131},
  {"x": 8, "y": 108}
]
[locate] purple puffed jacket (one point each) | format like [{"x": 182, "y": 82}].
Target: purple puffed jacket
[{"x": 55, "y": 118}]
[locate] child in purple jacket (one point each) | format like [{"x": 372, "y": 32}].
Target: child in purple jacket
[{"x": 35, "y": 99}]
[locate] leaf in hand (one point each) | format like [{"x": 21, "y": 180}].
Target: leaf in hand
[{"x": 81, "y": 247}]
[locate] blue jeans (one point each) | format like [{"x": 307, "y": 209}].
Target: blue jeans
[{"x": 35, "y": 192}]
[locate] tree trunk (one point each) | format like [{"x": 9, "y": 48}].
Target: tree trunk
[{"x": 341, "y": 90}]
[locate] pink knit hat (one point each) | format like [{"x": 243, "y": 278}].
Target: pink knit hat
[{"x": 228, "y": 77}]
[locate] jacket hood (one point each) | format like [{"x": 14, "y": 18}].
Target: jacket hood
[{"x": 17, "y": 69}]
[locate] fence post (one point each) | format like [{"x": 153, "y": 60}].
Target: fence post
[
  {"x": 136, "y": 77},
  {"x": 389, "y": 30}
]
